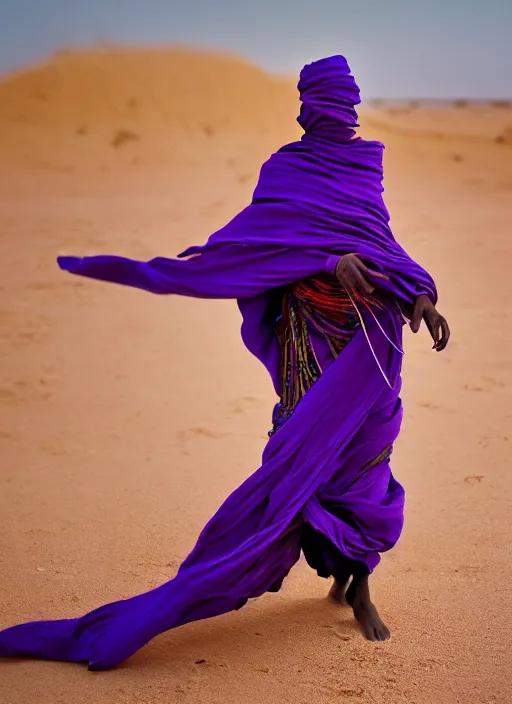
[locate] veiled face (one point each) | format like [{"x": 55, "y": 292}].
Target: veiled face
[{"x": 329, "y": 94}]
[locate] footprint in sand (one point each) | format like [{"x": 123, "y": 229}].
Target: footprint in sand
[
  {"x": 5, "y": 435},
  {"x": 41, "y": 286},
  {"x": 468, "y": 569},
  {"x": 26, "y": 390},
  {"x": 244, "y": 403},
  {"x": 9, "y": 397},
  {"x": 205, "y": 432},
  {"x": 343, "y": 637},
  {"x": 30, "y": 336},
  {"x": 54, "y": 448},
  {"x": 494, "y": 382},
  {"x": 428, "y": 404},
  {"x": 474, "y": 388},
  {"x": 474, "y": 479},
  {"x": 346, "y": 692},
  {"x": 244, "y": 178},
  {"x": 179, "y": 690},
  {"x": 185, "y": 436},
  {"x": 55, "y": 285},
  {"x": 213, "y": 208},
  {"x": 96, "y": 242}
]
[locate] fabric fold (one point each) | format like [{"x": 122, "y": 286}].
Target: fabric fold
[{"x": 255, "y": 538}]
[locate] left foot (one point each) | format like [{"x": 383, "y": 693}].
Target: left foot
[
  {"x": 358, "y": 596},
  {"x": 371, "y": 623}
]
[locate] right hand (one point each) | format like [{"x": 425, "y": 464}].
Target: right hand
[
  {"x": 425, "y": 310},
  {"x": 353, "y": 275}
]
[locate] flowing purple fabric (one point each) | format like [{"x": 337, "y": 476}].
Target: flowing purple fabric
[{"x": 316, "y": 200}]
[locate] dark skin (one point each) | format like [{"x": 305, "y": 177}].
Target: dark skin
[{"x": 354, "y": 275}]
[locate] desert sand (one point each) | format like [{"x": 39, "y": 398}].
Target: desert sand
[{"x": 127, "y": 418}]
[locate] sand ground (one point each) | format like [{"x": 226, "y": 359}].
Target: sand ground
[{"x": 126, "y": 418}]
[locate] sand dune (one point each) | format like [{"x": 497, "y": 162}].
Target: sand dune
[
  {"x": 92, "y": 97},
  {"x": 172, "y": 89},
  {"x": 125, "y": 419}
]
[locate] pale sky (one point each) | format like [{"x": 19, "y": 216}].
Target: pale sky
[{"x": 397, "y": 48}]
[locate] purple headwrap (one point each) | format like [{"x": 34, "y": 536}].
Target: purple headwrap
[{"x": 328, "y": 93}]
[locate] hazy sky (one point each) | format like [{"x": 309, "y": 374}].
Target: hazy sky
[{"x": 397, "y": 48}]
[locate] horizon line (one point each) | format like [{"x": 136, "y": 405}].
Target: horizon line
[{"x": 108, "y": 45}]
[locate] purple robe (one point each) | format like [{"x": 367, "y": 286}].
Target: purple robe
[{"x": 316, "y": 200}]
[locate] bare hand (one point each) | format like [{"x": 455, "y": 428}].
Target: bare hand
[
  {"x": 425, "y": 310},
  {"x": 353, "y": 275}
]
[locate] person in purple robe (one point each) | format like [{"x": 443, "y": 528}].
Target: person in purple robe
[{"x": 324, "y": 291}]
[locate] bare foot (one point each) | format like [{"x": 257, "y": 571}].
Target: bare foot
[
  {"x": 337, "y": 592},
  {"x": 371, "y": 623},
  {"x": 358, "y": 596}
]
